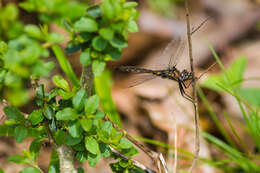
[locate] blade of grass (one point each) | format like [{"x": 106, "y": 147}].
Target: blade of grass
[
  {"x": 103, "y": 88},
  {"x": 214, "y": 117},
  {"x": 65, "y": 65},
  {"x": 235, "y": 133}
]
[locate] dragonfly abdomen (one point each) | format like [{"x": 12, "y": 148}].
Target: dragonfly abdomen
[{"x": 134, "y": 69}]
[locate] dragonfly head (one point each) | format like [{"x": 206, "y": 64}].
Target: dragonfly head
[{"x": 185, "y": 75}]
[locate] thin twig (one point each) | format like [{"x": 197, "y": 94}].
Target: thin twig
[
  {"x": 195, "y": 103},
  {"x": 175, "y": 149},
  {"x": 200, "y": 25}
]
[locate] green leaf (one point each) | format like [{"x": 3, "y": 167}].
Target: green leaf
[
  {"x": 18, "y": 159},
  {"x": 55, "y": 38},
  {"x": 60, "y": 136},
  {"x": 98, "y": 67},
  {"x": 99, "y": 115},
  {"x": 110, "y": 9},
  {"x": 81, "y": 156},
  {"x": 33, "y": 31},
  {"x": 86, "y": 124},
  {"x": 252, "y": 95},
  {"x": 105, "y": 150},
  {"x": 67, "y": 114},
  {"x": 104, "y": 131},
  {"x": 114, "y": 53},
  {"x": 54, "y": 162},
  {"x": 61, "y": 83},
  {"x": 64, "y": 94},
  {"x": 94, "y": 11},
  {"x": 106, "y": 33},
  {"x": 30, "y": 170},
  {"x": 91, "y": 105},
  {"x": 125, "y": 143},
  {"x": 86, "y": 25},
  {"x": 14, "y": 113},
  {"x": 35, "y": 148},
  {"x": 92, "y": 145},
  {"x": 99, "y": 43},
  {"x": 85, "y": 58},
  {"x": 72, "y": 141},
  {"x": 80, "y": 170},
  {"x": 79, "y": 99},
  {"x": 36, "y": 117},
  {"x": 103, "y": 86},
  {"x": 93, "y": 159},
  {"x": 74, "y": 128},
  {"x": 132, "y": 26},
  {"x": 129, "y": 4},
  {"x": 118, "y": 43},
  {"x": 20, "y": 133},
  {"x": 48, "y": 112},
  {"x": 65, "y": 64}
]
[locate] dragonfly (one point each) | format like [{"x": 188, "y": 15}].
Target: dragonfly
[{"x": 171, "y": 72}]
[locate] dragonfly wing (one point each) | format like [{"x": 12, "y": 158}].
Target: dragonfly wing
[
  {"x": 176, "y": 47},
  {"x": 137, "y": 79}
]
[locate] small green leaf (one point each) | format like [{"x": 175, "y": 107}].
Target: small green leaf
[
  {"x": 105, "y": 150},
  {"x": 30, "y": 170},
  {"x": 129, "y": 4},
  {"x": 33, "y": 31},
  {"x": 55, "y": 38},
  {"x": 18, "y": 159},
  {"x": 79, "y": 99},
  {"x": 48, "y": 112},
  {"x": 86, "y": 124},
  {"x": 61, "y": 83},
  {"x": 74, "y": 129},
  {"x": 85, "y": 58},
  {"x": 35, "y": 148},
  {"x": 70, "y": 141},
  {"x": 99, "y": 114},
  {"x": 125, "y": 143},
  {"x": 80, "y": 170},
  {"x": 64, "y": 94},
  {"x": 106, "y": 33},
  {"x": 252, "y": 95},
  {"x": 81, "y": 156},
  {"x": 93, "y": 159},
  {"x": 99, "y": 43},
  {"x": 86, "y": 25},
  {"x": 104, "y": 131},
  {"x": 98, "y": 67},
  {"x": 91, "y": 145},
  {"x": 36, "y": 117},
  {"x": 14, "y": 113},
  {"x": 60, "y": 137},
  {"x": 118, "y": 43},
  {"x": 132, "y": 26},
  {"x": 67, "y": 114},
  {"x": 20, "y": 133},
  {"x": 114, "y": 53},
  {"x": 91, "y": 105}
]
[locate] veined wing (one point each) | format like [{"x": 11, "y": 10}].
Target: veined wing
[
  {"x": 137, "y": 79},
  {"x": 174, "y": 50}
]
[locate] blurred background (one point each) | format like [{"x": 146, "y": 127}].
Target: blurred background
[{"x": 154, "y": 111}]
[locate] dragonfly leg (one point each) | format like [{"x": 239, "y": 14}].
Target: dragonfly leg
[{"x": 184, "y": 94}]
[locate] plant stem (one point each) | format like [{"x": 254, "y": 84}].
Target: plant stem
[
  {"x": 87, "y": 78},
  {"x": 195, "y": 98},
  {"x": 66, "y": 154}
]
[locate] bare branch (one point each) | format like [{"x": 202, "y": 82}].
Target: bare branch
[{"x": 195, "y": 103}]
